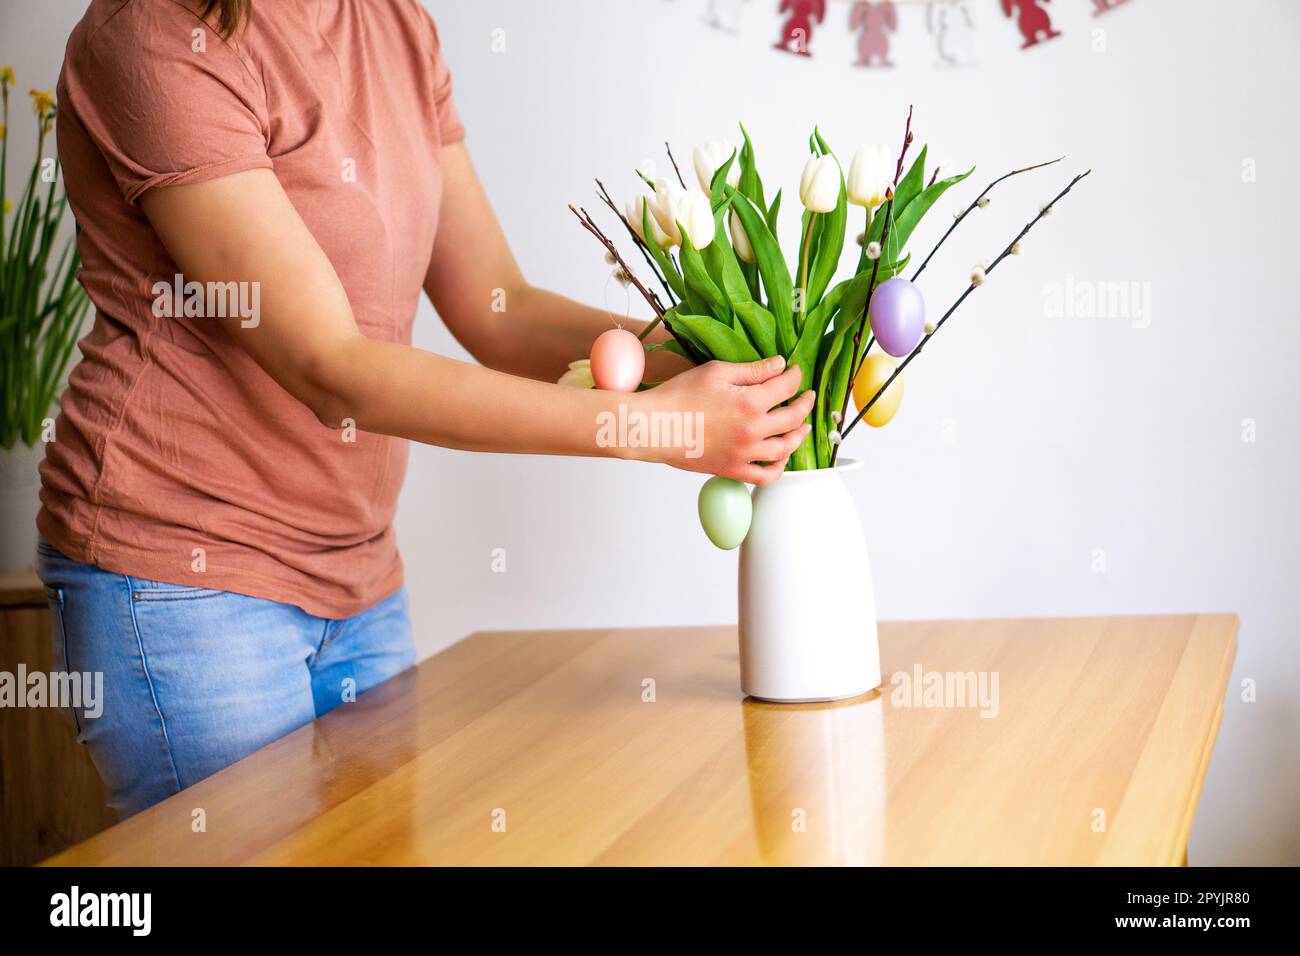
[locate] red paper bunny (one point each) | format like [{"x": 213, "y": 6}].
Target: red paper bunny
[
  {"x": 797, "y": 31},
  {"x": 1101, "y": 6},
  {"x": 877, "y": 21},
  {"x": 1033, "y": 20}
]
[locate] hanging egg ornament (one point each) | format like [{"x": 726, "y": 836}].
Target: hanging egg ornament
[
  {"x": 897, "y": 316},
  {"x": 617, "y": 361},
  {"x": 725, "y": 511},
  {"x": 875, "y": 372}
]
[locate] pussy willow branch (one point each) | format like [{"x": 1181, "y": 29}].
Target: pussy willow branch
[
  {"x": 858, "y": 359},
  {"x": 589, "y": 224},
  {"x": 859, "y": 355},
  {"x": 962, "y": 298},
  {"x": 645, "y": 253},
  {"x": 962, "y": 218}
]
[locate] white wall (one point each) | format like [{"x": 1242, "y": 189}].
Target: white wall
[{"x": 1072, "y": 434}]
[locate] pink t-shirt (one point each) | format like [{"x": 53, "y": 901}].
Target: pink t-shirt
[{"x": 176, "y": 457}]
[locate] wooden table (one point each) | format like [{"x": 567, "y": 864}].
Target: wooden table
[{"x": 635, "y": 747}]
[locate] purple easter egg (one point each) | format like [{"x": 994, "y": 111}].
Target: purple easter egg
[{"x": 897, "y": 316}]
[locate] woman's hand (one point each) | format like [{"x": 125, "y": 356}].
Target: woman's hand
[{"x": 735, "y": 411}]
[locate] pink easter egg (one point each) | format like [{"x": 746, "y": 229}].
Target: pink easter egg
[{"x": 617, "y": 361}]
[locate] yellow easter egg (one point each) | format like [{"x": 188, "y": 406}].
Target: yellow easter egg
[{"x": 875, "y": 371}]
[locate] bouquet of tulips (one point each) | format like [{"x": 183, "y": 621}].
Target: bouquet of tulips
[{"x": 732, "y": 294}]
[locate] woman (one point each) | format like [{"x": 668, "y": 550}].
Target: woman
[{"x": 217, "y": 521}]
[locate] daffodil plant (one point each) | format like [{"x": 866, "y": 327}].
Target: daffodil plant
[
  {"x": 42, "y": 308},
  {"x": 733, "y": 295}
]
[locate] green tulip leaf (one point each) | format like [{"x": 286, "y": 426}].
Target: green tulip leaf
[
  {"x": 910, "y": 218},
  {"x": 720, "y": 260},
  {"x": 832, "y": 382},
  {"x": 719, "y": 340},
  {"x": 672, "y": 318},
  {"x": 910, "y": 185},
  {"x": 772, "y": 269},
  {"x": 751, "y": 184},
  {"x": 911, "y": 203},
  {"x": 821, "y": 142},
  {"x": 907, "y": 189},
  {"x": 718, "y": 185},
  {"x": 702, "y": 293},
  {"x": 750, "y": 271},
  {"x": 810, "y": 339},
  {"x": 760, "y": 326},
  {"x": 772, "y": 212},
  {"x": 672, "y": 345}
]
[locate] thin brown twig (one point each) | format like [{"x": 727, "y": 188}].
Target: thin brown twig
[
  {"x": 953, "y": 308},
  {"x": 681, "y": 181},
  {"x": 859, "y": 355},
  {"x": 589, "y": 224},
  {"x": 987, "y": 189}
]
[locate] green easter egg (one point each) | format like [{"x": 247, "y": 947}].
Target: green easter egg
[{"x": 725, "y": 512}]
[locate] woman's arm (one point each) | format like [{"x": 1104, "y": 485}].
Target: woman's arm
[
  {"x": 244, "y": 228},
  {"x": 538, "y": 333}
]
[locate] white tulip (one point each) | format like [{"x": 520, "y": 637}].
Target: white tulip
[
  {"x": 696, "y": 216},
  {"x": 740, "y": 240},
  {"x": 664, "y": 208},
  {"x": 578, "y": 375},
  {"x": 635, "y": 211},
  {"x": 672, "y": 205},
  {"x": 869, "y": 176},
  {"x": 819, "y": 187},
  {"x": 709, "y": 159}
]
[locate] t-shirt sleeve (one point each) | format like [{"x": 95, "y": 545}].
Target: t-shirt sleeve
[
  {"x": 166, "y": 100},
  {"x": 444, "y": 104}
]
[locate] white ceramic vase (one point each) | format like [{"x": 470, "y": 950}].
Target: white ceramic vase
[
  {"x": 20, "y": 488},
  {"x": 807, "y": 609}
]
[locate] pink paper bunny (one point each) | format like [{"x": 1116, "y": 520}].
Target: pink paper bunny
[{"x": 876, "y": 21}]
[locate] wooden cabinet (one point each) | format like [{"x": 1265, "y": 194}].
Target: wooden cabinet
[{"x": 50, "y": 795}]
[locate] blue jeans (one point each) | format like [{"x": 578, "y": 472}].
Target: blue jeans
[{"x": 194, "y": 679}]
